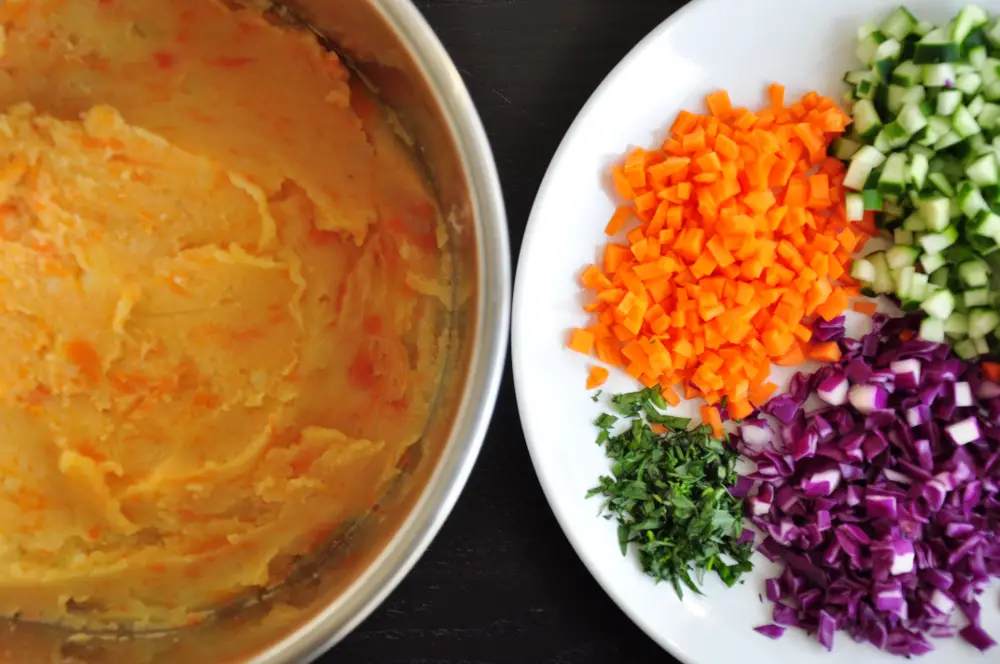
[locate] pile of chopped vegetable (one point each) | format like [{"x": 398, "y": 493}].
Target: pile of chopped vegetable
[
  {"x": 670, "y": 491},
  {"x": 876, "y": 481},
  {"x": 882, "y": 500},
  {"x": 924, "y": 151},
  {"x": 735, "y": 241}
]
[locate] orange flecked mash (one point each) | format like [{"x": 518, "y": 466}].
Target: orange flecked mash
[{"x": 220, "y": 294}]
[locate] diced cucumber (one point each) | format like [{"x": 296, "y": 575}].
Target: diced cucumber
[
  {"x": 974, "y": 273},
  {"x": 937, "y": 128},
  {"x": 948, "y": 140},
  {"x": 993, "y": 34},
  {"x": 940, "y": 305},
  {"x": 990, "y": 71},
  {"x": 977, "y": 297},
  {"x": 854, "y": 204},
  {"x": 976, "y": 55},
  {"x": 918, "y": 169},
  {"x": 983, "y": 171},
  {"x": 989, "y": 117},
  {"x": 898, "y": 24},
  {"x": 992, "y": 91},
  {"x": 966, "y": 349},
  {"x": 891, "y": 207},
  {"x": 982, "y": 322},
  {"x": 939, "y": 277},
  {"x": 872, "y": 199},
  {"x": 939, "y": 76},
  {"x": 935, "y": 243},
  {"x": 882, "y": 142},
  {"x": 866, "y": 119},
  {"x": 919, "y": 287},
  {"x": 940, "y": 182},
  {"x": 918, "y": 95},
  {"x": 886, "y": 57},
  {"x": 948, "y": 102},
  {"x": 963, "y": 122},
  {"x": 911, "y": 118},
  {"x": 900, "y": 256},
  {"x": 976, "y": 107},
  {"x": 895, "y": 135},
  {"x": 970, "y": 83},
  {"x": 932, "y": 262},
  {"x": 865, "y": 90},
  {"x": 915, "y": 223},
  {"x": 894, "y": 97},
  {"x": 893, "y": 178},
  {"x": 935, "y": 47},
  {"x": 863, "y": 270},
  {"x": 907, "y": 74},
  {"x": 865, "y": 160},
  {"x": 922, "y": 28},
  {"x": 935, "y": 212},
  {"x": 970, "y": 200},
  {"x": 932, "y": 330},
  {"x": 883, "y": 282},
  {"x": 986, "y": 224},
  {"x": 957, "y": 325},
  {"x": 969, "y": 19},
  {"x": 855, "y": 77},
  {"x": 844, "y": 148},
  {"x": 868, "y": 44},
  {"x": 904, "y": 283}
]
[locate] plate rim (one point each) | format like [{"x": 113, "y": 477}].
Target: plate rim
[{"x": 666, "y": 25}]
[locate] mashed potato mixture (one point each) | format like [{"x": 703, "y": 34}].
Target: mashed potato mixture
[{"x": 220, "y": 306}]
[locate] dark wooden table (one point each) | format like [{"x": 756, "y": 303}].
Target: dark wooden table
[{"x": 500, "y": 584}]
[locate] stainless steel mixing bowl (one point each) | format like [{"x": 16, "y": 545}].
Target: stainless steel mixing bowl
[{"x": 389, "y": 44}]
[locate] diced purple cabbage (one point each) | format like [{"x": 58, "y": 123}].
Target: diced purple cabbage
[
  {"x": 741, "y": 488},
  {"x": 977, "y": 637},
  {"x": 833, "y": 330},
  {"x": 833, "y": 390},
  {"x": 827, "y": 626},
  {"x": 770, "y": 631},
  {"x": 884, "y": 508}
]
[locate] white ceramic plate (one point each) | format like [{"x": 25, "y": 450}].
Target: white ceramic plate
[{"x": 742, "y": 46}]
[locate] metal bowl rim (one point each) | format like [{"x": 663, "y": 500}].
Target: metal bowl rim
[{"x": 492, "y": 316}]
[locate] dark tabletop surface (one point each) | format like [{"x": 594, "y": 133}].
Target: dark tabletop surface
[{"x": 500, "y": 584}]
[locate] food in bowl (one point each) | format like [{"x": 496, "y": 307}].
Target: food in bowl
[{"x": 222, "y": 281}]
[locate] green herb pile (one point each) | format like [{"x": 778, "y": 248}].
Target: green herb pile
[{"x": 670, "y": 493}]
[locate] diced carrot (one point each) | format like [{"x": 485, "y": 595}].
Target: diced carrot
[
  {"x": 760, "y": 395},
  {"x": 670, "y": 396},
  {"x": 742, "y": 241},
  {"x": 739, "y": 409},
  {"x": 719, "y": 104},
  {"x": 598, "y": 376},
  {"x": 792, "y": 358},
  {"x": 581, "y": 341},
  {"x": 848, "y": 240},
  {"x": 622, "y": 214},
  {"x": 866, "y": 308},
  {"x": 828, "y": 352},
  {"x": 593, "y": 279},
  {"x": 622, "y": 185},
  {"x": 834, "y": 305},
  {"x": 777, "y": 95},
  {"x": 991, "y": 370},
  {"x": 710, "y": 416}
]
